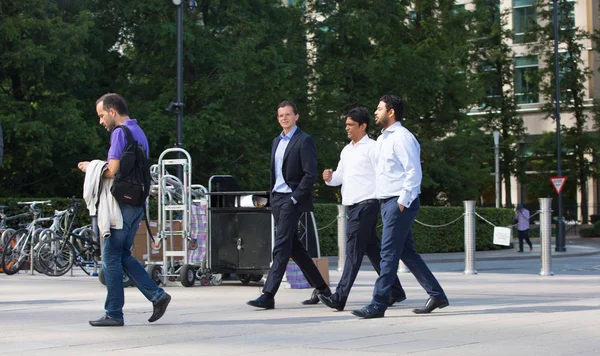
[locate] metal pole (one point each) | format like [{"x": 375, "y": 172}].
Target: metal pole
[
  {"x": 341, "y": 228},
  {"x": 180, "y": 84},
  {"x": 470, "y": 237},
  {"x": 560, "y": 234},
  {"x": 546, "y": 236},
  {"x": 497, "y": 157}
]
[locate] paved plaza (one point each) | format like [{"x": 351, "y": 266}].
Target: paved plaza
[{"x": 506, "y": 309}]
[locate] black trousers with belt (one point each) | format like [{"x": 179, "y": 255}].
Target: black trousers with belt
[
  {"x": 288, "y": 244},
  {"x": 361, "y": 239}
]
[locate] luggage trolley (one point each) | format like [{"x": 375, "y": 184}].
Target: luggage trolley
[{"x": 172, "y": 201}]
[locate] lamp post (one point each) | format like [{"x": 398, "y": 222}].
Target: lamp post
[
  {"x": 560, "y": 233},
  {"x": 177, "y": 106},
  {"x": 497, "y": 156}
]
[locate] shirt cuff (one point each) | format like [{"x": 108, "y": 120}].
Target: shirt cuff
[
  {"x": 295, "y": 201},
  {"x": 404, "y": 199}
]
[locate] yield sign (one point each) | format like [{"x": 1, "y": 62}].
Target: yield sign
[{"x": 558, "y": 183}]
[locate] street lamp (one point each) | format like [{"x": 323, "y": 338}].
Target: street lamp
[
  {"x": 177, "y": 106},
  {"x": 560, "y": 233},
  {"x": 497, "y": 155}
]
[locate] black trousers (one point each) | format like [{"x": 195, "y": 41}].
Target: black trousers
[
  {"x": 361, "y": 239},
  {"x": 523, "y": 235},
  {"x": 288, "y": 244}
]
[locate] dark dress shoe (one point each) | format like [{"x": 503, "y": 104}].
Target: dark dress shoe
[
  {"x": 369, "y": 312},
  {"x": 332, "y": 302},
  {"x": 314, "y": 297},
  {"x": 160, "y": 307},
  {"x": 396, "y": 299},
  {"x": 431, "y": 305},
  {"x": 263, "y": 302},
  {"x": 106, "y": 321}
]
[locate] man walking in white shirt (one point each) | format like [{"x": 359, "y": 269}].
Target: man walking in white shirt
[
  {"x": 398, "y": 186},
  {"x": 356, "y": 174}
]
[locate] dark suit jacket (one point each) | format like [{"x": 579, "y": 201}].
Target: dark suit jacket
[{"x": 299, "y": 168}]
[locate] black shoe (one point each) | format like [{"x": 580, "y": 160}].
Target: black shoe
[
  {"x": 369, "y": 312},
  {"x": 263, "y": 302},
  {"x": 530, "y": 248},
  {"x": 396, "y": 299},
  {"x": 106, "y": 321},
  {"x": 332, "y": 302},
  {"x": 520, "y": 251},
  {"x": 431, "y": 305},
  {"x": 160, "y": 307},
  {"x": 314, "y": 297}
]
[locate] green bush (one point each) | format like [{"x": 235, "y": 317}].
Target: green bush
[
  {"x": 587, "y": 231},
  {"x": 597, "y": 228},
  {"x": 427, "y": 239},
  {"x": 594, "y": 218}
]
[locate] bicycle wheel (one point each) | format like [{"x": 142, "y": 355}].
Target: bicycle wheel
[
  {"x": 56, "y": 257},
  {"x": 88, "y": 251},
  {"x": 15, "y": 251}
]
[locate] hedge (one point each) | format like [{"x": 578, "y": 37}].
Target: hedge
[{"x": 427, "y": 239}]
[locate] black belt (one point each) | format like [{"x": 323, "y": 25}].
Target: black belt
[
  {"x": 278, "y": 193},
  {"x": 368, "y": 201},
  {"x": 383, "y": 201}
]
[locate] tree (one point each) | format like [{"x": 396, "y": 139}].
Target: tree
[
  {"x": 44, "y": 60},
  {"x": 493, "y": 58},
  {"x": 579, "y": 142},
  {"x": 415, "y": 49}
]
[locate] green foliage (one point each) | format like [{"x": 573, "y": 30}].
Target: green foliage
[
  {"x": 597, "y": 228},
  {"x": 83, "y": 216},
  {"x": 427, "y": 239},
  {"x": 594, "y": 218},
  {"x": 587, "y": 231}
]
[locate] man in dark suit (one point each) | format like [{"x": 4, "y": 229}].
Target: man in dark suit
[{"x": 293, "y": 174}]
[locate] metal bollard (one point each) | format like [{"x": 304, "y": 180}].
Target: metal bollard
[
  {"x": 546, "y": 236},
  {"x": 341, "y": 228},
  {"x": 470, "y": 237},
  {"x": 402, "y": 267}
]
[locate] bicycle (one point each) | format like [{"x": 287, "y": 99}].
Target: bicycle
[
  {"x": 63, "y": 246},
  {"x": 17, "y": 248}
]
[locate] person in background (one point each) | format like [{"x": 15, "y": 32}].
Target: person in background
[{"x": 522, "y": 218}]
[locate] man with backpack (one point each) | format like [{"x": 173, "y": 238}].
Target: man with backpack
[{"x": 129, "y": 188}]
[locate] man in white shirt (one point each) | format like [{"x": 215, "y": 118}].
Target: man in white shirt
[
  {"x": 356, "y": 174},
  {"x": 398, "y": 176}
]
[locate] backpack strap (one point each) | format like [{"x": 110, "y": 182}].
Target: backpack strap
[
  {"x": 127, "y": 131},
  {"x": 129, "y": 138}
]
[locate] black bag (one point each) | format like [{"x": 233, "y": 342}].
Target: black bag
[{"x": 132, "y": 181}]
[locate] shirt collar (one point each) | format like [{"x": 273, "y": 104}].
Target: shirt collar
[
  {"x": 392, "y": 128},
  {"x": 289, "y": 135},
  {"x": 363, "y": 140}
]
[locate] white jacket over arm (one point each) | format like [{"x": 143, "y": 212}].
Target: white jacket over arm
[{"x": 99, "y": 200}]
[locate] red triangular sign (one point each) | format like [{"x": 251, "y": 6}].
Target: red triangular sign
[{"x": 558, "y": 183}]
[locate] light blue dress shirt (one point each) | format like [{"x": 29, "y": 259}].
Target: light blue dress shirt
[
  {"x": 284, "y": 140},
  {"x": 398, "y": 170}
]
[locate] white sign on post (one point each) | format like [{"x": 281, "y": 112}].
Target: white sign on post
[{"x": 502, "y": 236}]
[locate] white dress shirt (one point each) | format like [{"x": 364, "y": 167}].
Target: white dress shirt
[
  {"x": 398, "y": 171},
  {"x": 280, "y": 184},
  {"x": 356, "y": 171}
]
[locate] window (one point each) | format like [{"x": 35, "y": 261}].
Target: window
[
  {"x": 492, "y": 80},
  {"x": 526, "y": 83},
  {"x": 523, "y": 16}
]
